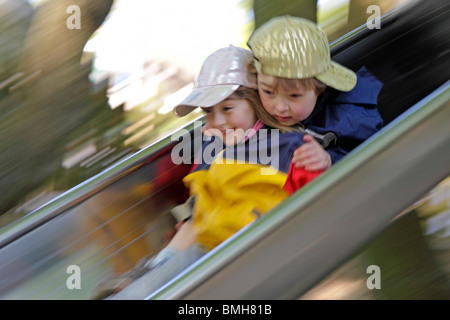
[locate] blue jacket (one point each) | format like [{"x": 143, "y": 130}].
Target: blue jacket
[
  {"x": 352, "y": 116},
  {"x": 267, "y": 147}
]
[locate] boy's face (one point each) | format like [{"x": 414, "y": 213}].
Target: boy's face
[
  {"x": 287, "y": 106},
  {"x": 230, "y": 120}
]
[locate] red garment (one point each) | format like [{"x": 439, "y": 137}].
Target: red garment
[{"x": 298, "y": 177}]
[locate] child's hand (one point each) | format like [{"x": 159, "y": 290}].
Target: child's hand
[{"x": 311, "y": 155}]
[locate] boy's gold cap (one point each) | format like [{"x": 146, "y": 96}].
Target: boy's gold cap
[{"x": 296, "y": 48}]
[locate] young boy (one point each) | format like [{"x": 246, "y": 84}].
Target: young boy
[{"x": 299, "y": 84}]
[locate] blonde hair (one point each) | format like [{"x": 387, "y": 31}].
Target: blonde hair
[{"x": 293, "y": 84}]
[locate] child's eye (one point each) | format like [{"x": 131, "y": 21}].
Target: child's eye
[
  {"x": 296, "y": 95},
  {"x": 268, "y": 92},
  {"x": 226, "y": 108},
  {"x": 206, "y": 110}
]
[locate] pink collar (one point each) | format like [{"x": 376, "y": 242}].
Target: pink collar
[{"x": 258, "y": 125}]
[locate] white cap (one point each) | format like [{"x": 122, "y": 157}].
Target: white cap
[{"x": 221, "y": 74}]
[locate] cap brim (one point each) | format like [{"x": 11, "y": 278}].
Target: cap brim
[
  {"x": 338, "y": 77},
  {"x": 204, "y": 97}
]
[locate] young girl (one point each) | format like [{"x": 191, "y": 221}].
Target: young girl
[
  {"x": 300, "y": 84},
  {"x": 234, "y": 181}
]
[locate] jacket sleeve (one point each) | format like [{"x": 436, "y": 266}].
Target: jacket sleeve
[
  {"x": 357, "y": 124},
  {"x": 352, "y": 116},
  {"x": 336, "y": 154}
]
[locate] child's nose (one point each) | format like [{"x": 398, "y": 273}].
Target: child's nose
[{"x": 281, "y": 106}]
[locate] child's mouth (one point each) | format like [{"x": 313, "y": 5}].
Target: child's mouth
[{"x": 282, "y": 119}]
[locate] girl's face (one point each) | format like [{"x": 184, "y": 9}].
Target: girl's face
[
  {"x": 230, "y": 120},
  {"x": 287, "y": 106}
]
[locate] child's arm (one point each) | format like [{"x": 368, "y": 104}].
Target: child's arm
[
  {"x": 311, "y": 155},
  {"x": 185, "y": 236}
]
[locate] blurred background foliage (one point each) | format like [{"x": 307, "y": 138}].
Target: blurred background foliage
[{"x": 73, "y": 102}]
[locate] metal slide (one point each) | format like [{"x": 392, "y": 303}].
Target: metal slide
[{"x": 287, "y": 252}]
